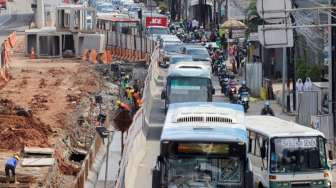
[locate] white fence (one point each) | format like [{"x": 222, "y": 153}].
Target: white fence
[
  {"x": 135, "y": 145},
  {"x": 127, "y": 41}
]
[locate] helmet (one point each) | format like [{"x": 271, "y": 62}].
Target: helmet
[
  {"x": 16, "y": 156},
  {"x": 243, "y": 82},
  {"x": 118, "y": 102},
  {"x": 267, "y": 103}
]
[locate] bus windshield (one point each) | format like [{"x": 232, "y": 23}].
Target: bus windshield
[
  {"x": 210, "y": 165},
  {"x": 204, "y": 172},
  {"x": 298, "y": 154},
  {"x": 189, "y": 89}
]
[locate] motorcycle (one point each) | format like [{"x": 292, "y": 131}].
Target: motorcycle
[
  {"x": 233, "y": 93},
  {"x": 224, "y": 85},
  {"x": 244, "y": 100}
]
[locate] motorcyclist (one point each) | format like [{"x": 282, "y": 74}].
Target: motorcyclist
[
  {"x": 244, "y": 88},
  {"x": 267, "y": 110}
]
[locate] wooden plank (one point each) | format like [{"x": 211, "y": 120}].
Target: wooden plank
[
  {"x": 20, "y": 185},
  {"x": 38, "y": 162},
  {"x": 36, "y": 150}
]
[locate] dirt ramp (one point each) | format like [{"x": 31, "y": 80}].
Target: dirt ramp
[{"x": 21, "y": 128}]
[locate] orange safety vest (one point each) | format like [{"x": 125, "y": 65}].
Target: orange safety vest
[{"x": 137, "y": 99}]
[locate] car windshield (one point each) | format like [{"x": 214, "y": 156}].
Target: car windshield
[
  {"x": 158, "y": 31},
  {"x": 204, "y": 172},
  {"x": 174, "y": 60},
  {"x": 198, "y": 51},
  {"x": 172, "y": 48},
  {"x": 297, "y": 154},
  {"x": 188, "y": 89}
]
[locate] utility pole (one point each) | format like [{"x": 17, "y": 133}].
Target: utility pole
[{"x": 333, "y": 66}]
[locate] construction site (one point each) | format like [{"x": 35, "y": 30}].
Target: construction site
[{"x": 52, "y": 78}]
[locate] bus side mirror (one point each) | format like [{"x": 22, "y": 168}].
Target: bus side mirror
[
  {"x": 163, "y": 94},
  {"x": 249, "y": 179},
  {"x": 156, "y": 173},
  {"x": 330, "y": 155},
  {"x": 263, "y": 152}
]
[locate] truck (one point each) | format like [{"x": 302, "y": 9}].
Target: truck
[{"x": 155, "y": 24}]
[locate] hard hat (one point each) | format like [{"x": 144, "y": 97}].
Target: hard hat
[
  {"x": 118, "y": 102},
  {"x": 267, "y": 103},
  {"x": 243, "y": 82},
  {"x": 16, "y": 156}
]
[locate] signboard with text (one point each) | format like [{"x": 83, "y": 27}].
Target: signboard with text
[{"x": 156, "y": 21}]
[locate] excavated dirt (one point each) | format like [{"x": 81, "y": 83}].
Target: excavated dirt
[
  {"x": 40, "y": 105},
  {"x": 21, "y": 128}
]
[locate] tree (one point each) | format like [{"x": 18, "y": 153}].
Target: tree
[{"x": 253, "y": 18}]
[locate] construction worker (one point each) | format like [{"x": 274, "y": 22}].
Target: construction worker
[
  {"x": 125, "y": 81},
  {"x": 10, "y": 166},
  {"x": 123, "y": 106},
  {"x": 136, "y": 99}
]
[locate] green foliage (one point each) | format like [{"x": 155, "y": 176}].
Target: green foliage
[
  {"x": 252, "y": 16},
  {"x": 304, "y": 70}
]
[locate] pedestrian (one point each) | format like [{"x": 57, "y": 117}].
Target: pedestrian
[
  {"x": 307, "y": 86},
  {"x": 213, "y": 37},
  {"x": 10, "y": 167},
  {"x": 299, "y": 85}
]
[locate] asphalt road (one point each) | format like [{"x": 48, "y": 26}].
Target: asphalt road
[{"x": 157, "y": 118}]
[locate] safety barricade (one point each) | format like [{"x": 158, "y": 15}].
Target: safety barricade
[{"x": 5, "y": 49}]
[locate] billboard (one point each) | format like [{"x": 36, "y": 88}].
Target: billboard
[{"x": 156, "y": 21}]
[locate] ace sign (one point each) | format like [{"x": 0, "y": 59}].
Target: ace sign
[{"x": 156, "y": 21}]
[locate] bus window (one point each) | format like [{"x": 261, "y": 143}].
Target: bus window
[
  {"x": 252, "y": 142},
  {"x": 323, "y": 156},
  {"x": 297, "y": 154}
]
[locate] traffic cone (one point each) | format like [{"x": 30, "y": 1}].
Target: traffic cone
[{"x": 32, "y": 53}]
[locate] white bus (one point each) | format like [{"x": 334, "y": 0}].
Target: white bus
[
  {"x": 203, "y": 145},
  {"x": 286, "y": 155},
  {"x": 188, "y": 82}
]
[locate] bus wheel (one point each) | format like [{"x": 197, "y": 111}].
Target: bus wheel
[{"x": 260, "y": 185}]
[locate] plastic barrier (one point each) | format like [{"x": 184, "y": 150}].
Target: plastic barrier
[{"x": 6, "y": 46}]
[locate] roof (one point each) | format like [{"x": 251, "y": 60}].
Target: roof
[
  {"x": 113, "y": 18},
  {"x": 169, "y": 38},
  {"x": 75, "y": 6},
  {"x": 276, "y": 127},
  {"x": 186, "y": 69},
  {"x": 204, "y": 121}
]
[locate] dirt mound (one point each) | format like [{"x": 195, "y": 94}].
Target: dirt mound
[{"x": 20, "y": 128}]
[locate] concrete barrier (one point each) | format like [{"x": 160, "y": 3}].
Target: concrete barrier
[{"x": 135, "y": 145}]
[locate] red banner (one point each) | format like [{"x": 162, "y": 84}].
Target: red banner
[{"x": 157, "y": 21}]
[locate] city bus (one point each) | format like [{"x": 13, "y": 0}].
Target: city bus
[
  {"x": 286, "y": 155},
  {"x": 203, "y": 145},
  {"x": 188, "y": 82}
]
